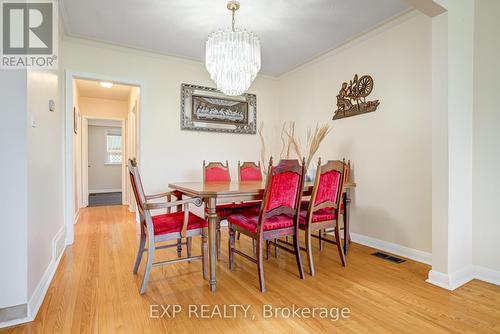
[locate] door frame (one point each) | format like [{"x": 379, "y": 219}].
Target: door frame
[{"x": 69, "y": 191}]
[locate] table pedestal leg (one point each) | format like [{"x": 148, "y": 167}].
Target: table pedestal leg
[
  {"x": 347, "y": 235},
  {"x": 212, "y": 252}
]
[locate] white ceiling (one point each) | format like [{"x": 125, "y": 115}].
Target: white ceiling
[
  {"x": 90, "y": 88},
  {"x": 292, "y": 32}
]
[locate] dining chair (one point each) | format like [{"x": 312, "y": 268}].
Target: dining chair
[
  {"x": 216, "y": 171},
  {"x": 305, "y": 206},
  {"x": 250, "y": 171},
  {"x": 278, "y": 215},
  {"x": 165, "y": 227},
  {"x": 324, "y": 207}
]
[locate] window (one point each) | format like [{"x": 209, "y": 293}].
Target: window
[{"x": 114, "y": 146}]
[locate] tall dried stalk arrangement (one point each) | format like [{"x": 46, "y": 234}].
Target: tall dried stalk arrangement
[
  {"x": 287, "y": 132},
  {"x": 263, "y": 151},
  {"x": 284, "y": 140},
  {"x": 314, "y": 139},
  {"x": 291, "y": 143}
]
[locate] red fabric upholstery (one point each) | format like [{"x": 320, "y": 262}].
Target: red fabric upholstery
[
  {"x": 328, "y": 187},
  {"x": 283, "y": 190},
  {"x": 172, "y": 222},
  {"x": 249, "y": 221},
  {"x": 217, "y": 174},
  {"x": 225, "y": 210},
  {"x": 318, "y": 216},
  {"x": 250, "y": 174}
]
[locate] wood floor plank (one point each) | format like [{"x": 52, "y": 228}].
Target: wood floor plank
[{"x": 95, "y": 291}]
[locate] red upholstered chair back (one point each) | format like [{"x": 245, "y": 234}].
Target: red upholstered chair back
[
  {"x": 216, "y": 172},
  {"x": 136, "y": 182},
  {"x": 249, "y": 171},
  {"x": 284, "y": 188},
  {"x": 328, "y": 185}
]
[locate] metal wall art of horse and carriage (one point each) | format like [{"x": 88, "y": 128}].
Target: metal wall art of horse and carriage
[{"x": 351, "y": 100}]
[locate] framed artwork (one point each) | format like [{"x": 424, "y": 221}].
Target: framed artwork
[
  {"x": 207, "y": 109},
  {"x": 75, "y": 121}
]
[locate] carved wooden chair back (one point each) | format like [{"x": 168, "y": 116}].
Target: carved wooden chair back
[
  {"x": 249, "y": 171},
  {"x": 328, "y": 186},
  {"x": 216, "y": 172},
  {"x": 283, "y": 194},
  {"x": 138, "y": 189}
]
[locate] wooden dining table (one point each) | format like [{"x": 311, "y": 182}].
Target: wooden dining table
[{"x": 212, "y": 192}]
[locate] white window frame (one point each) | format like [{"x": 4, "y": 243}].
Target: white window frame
[{"x": 114, "y": 132}]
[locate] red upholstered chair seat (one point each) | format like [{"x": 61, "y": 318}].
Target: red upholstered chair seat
[
  {"x": 319, "y": 216},
  {"x": 249, "y": 221},
  {"x": 172, "y": 222}
]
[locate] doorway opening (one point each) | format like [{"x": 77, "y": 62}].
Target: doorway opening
[
  {"x": 104, "y": 158},
  {"x": 105, "y": 135}
]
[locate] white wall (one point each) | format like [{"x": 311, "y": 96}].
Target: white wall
[
  {"x": 170, "y": 154},
  {"x": 13, "y": 197},
  {"x": 45, "y": 205},
  {"x": 390, "y": 149},
  {"x": 102, "y": 176},
  {"x": 486, "y": 140},
  {"x": 440, "y": 142},
  {"x": 32, "y": 227},
  {"x": 452, "y": 237}
]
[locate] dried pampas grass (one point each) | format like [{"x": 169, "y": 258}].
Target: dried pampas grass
[
  {"x": 290, "y": 142},
  {"x": 263, "y": 162},
  {"x": 314, "y": 139}
]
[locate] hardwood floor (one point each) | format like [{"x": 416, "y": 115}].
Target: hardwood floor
[{"x": 94, "y": 291}]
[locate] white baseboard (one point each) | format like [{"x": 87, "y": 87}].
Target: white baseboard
[
  {"x": 15, "y": 322},
  {"x": 100, "y": 191},
  {"x": 77, "y": 215},
  {"x": 446, "y": 281},
  {"x": 459, "y": 278},
  {"x": 36, "y": 300},
  {"x": 487, "y": 275},
  {"x": 452, "y": 281},
  {"x": 410, "y": 253}
]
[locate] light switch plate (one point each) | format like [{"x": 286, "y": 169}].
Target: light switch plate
[{"x": 52, "y": 105}]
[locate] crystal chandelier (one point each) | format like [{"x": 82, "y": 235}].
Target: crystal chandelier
[{"x": 233, "y": 57}]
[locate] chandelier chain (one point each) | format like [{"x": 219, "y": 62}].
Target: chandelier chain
[{"x": 233, "y": 10}]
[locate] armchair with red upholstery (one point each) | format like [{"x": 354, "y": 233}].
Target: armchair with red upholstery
[{"x": 178, "y": 225}]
